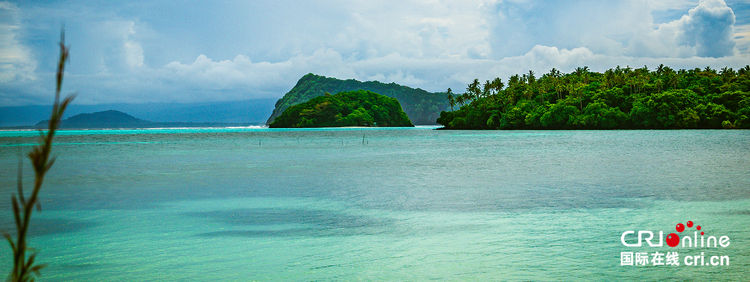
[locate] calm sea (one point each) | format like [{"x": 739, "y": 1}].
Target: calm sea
[{"x": 412, "y": 204}]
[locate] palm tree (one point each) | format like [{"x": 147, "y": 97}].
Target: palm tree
[
  {"x": 460, "y": 100},
  {"x": 577, "y": 89},
  {"x": 672, "y": 80},
  {"x": 559, "y": 89},
  {"x": 641, "y": 82},
  {"x": 583, "y": 74},
  {"x": 497, "y": 85},
  {"x": 727, "y": 74},
  {"x": 450, "y": 98},
  {"x": 619, "y": 76},
  {"x": 468, "y": 98},
  {"x": 530, "y": 77},
  {"x": 513, "y": 81},
  {"x": 487, "y": 88},
  {"x": 473, "y": 89},
  {"x": 554, "y": 76},
  {"x": 627, "y": 70},
  {"x": 555, "y": 72},
  {"x": 609, "y": 78},
  {"x": 659, "y": 83},
  {"x": 660, "y": 69}
]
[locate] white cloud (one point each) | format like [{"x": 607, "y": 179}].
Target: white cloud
[
  {"x": 706, "y": 31},
  {"x": 672, "y": 4},
  {"x": 414, "y": 29},
  {"x": 612, "y": 28},
  {"x": 133, "y": 49},
  {"x": 742, "y": 37},
  {"x": 709, "y": 27},
  {"x": 16, "y": 63},
  {"x": 111, "y": 46},
  {"x": 543, "y": 58},
  {"x": 242, "y": 50},
  {"x": 605, "y": 27}
]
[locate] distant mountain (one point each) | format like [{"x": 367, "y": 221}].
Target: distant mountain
[
  {"x": 117, "y": 119},
  {"x": 105, "y": 119},
  {"x": 421, "y": 106},
  {"x": 254, "y": 111}
]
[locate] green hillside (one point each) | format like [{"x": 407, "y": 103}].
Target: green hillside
[
  {"x": 355, "y": 108},
  {"x": 421, "y": 106}
]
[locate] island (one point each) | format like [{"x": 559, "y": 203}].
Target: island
[
  {"x": 352, "y": 108},
  {"x": 117, "y": 119},
  {"x": 618, "y": 98},
  {"x": 420, "y": 106}
]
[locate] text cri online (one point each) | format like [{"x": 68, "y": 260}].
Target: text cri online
[{"x": 695, "y": 241}]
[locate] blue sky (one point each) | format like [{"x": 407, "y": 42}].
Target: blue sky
[{"x": 201, "y": 51}]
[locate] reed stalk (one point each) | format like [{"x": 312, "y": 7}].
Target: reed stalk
[{"x": 25, "y": 268}]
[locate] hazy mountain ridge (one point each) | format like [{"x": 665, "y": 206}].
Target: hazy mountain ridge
[
  {"x": 117, "y": 119},
  {"x": 104, "y": 119},
  {"x": 249, "y": 111}
]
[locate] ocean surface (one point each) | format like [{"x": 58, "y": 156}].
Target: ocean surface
[{"x": 382, "y": 204}]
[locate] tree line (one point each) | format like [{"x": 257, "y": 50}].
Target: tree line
[
  {"x": 618, "y": 98},
  {"x": 353, "y": 108}
]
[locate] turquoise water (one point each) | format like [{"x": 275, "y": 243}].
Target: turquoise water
[{"x": 244, "y": 204}]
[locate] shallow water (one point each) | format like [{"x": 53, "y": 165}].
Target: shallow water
[{"x": 380, "y": 204}]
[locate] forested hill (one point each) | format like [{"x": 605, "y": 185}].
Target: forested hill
[
  {"x": 104, "y": 119},
  {"x": 623, "y": 98},
  {"x": 117, "y": 119},
  {"x": 421, "y": 106},
  {"x": 355, "y": 108}
]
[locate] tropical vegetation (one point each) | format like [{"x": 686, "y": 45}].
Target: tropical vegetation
[
  {"x": 619, "y": 98},
  {"x": 354, "y": 108}
]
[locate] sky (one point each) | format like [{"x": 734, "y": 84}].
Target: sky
[{"x": 205, "y": 51}]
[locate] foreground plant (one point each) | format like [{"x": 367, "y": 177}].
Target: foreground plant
[{"x": 24, "y": 269}]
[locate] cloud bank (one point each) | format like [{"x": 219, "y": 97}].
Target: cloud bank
[
  {"x": 16, "y": 63},
  {"x": 161, "y": 52}
]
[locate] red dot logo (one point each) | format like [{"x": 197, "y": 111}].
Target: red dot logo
[{"x": 673, "y": 240}]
